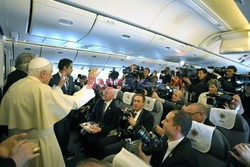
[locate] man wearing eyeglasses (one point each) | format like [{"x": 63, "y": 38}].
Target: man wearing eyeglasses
[{"x": 198, "y": 112}]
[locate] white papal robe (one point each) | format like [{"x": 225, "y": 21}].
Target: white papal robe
[{"x": 33, "y": 107}]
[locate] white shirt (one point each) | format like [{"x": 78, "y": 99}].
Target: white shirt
[
  {"x": 137, "y": 114},
  {"x": 107, "y": 105},
  {"x": 171, "y": 146}
]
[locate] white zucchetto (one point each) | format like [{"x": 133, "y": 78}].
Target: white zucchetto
[{"x": 38, "y": 62}]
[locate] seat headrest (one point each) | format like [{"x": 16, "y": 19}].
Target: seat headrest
[
  {"x": 116, "y": 92},
  {"x": 127, "y": 97},
  {"x": 223, "y": 117},
  {"x": 201, "y": 136},
  {"x": 149, "y": 103},
  {"x": 125, "y": 158}
]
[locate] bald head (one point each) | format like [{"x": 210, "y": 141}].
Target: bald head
[
  {"x": 108, "y": 94},
  {"x": 197, "y": 111}
]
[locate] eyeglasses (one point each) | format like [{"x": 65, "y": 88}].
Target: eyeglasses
[{"x": 191, "y": 114}]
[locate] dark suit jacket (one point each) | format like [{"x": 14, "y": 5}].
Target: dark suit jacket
[
  {"x": 111, "y": 117},
  {"x": 8, "y": 162},
  {"x": 12, "y": 78},
  {"x": 145, "y": 119},
  {"x": 55, "y": 80},
  {"x": 182, "y": 156}
]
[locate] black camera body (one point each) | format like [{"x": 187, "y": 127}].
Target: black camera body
[
  {"x": 150, "y": 143},
  {"x": 113, "y": 74},
  {"x": 128, "y": 112},
  {"x": 218, "y": 100}
]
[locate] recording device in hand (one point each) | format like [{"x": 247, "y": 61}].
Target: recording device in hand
[
  {"x": 127, "y": 112},
  {"x": 150, "y": 142},
  {"x": 218, "y": 100}
]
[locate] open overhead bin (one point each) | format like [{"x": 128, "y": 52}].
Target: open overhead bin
[
  {"x": 59, "y": 21},
  {"x": 117, "y": 36},
  {"x": 56, "y": 54},
  {"x": 182, "y": 23}
]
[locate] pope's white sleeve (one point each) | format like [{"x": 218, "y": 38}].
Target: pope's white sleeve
[{"x": 82, "y": 96}]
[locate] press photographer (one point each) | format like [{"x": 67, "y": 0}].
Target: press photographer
[
  {"x": 176, "y": 102},
  {"x": 131, "y": 76},
  {"x": 214, "y": 98},
  {"x": 198, "y": 85},
  {"x": 166, "y": 75},
  {"x": 128, "y": 127},
  {"x": 228, "y": 81},
  {"x": 178, "y": 150}
]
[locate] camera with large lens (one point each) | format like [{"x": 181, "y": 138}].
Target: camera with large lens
[
  {"x": 188, "y": 71},
  {"x": 242, "y": 79},
  {"x": 150, "y": 143},
  {"x": 218, "y": 100}
]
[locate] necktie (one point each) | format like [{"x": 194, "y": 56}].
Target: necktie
[
  {"x": 67, "y": 87},
  {"x": 103, "y": 109}
]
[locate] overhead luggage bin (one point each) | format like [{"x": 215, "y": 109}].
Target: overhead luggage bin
[
  {"x": 59, "y": 21},
  {"x": 93, "y": 58},
  {"x": 28, "y": 48},
  {"x": 56, "y": 54},
  {"x": 182, "y": 23},
  {"x": 159, "y": 49},
  {"x": 120, "y": 61},
  {"x": 117, "y": 36},
  {"x": 139, "y": 12},
  {"x": 14, "y": 16}
]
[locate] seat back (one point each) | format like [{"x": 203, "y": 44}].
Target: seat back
[
  {"x": 211, "y": 146},
  {"x": 236, "y": 133},
  {"x": 155, "y": 107}
]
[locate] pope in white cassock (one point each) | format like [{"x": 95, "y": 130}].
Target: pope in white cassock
[{"x": 31, "y": 106}]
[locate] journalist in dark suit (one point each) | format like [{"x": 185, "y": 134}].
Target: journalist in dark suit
[
  {"x": 106, "y": 114},
  {"x": 177, "y": 151},
  {"x": 113, "y": 144},
  {"x": 62, "y": 128}
]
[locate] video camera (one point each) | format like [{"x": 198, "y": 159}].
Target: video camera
[
  {"x": 113, "y": 74},
  {"x": 133, "y": 74},
  {"x": 242, "y": 79},
  {"x": 218, "y": 100},
  {"x": 150, "y": 143},
  {"x": 188, "y": 71}
]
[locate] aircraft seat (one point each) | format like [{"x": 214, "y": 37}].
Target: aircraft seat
[
  {"x": 232, "y": 125},
  {"x": 211, "y": 146}
]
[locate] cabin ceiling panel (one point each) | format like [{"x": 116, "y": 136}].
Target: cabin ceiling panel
[
  {"x": 14, "y": 19},
  {"x": 23, "y": 47},
  {"x": 55, "y": 54},
  {"x": 59, "y": 21},
  {"x": 139, "y": 12},
  {"x": 117, "y": 36},
  {"x": 178, "y": 21},
  {"x": 91, "y": 58}
]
